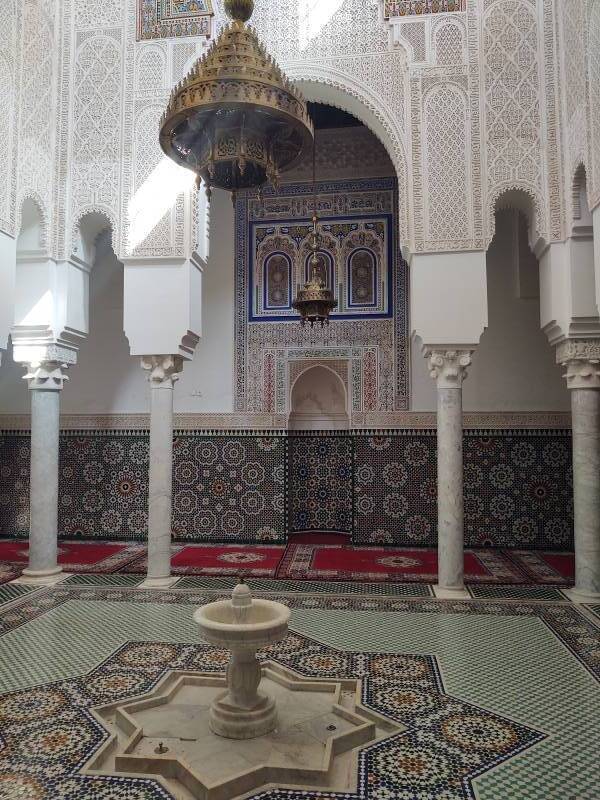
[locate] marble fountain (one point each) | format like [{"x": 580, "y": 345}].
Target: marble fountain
[{"x": 218, "y": 736}]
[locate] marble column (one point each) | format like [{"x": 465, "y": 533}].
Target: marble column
[
  {"x": 45, "y": 381},
  {"x": 449, "y": 369},
  {"x": 163, "y": 375},
  {"x": 582, "y": 361}
]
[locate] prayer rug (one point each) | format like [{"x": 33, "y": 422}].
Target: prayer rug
[
  {"x": 551, "y": 568},
  {"x": 330, "y": 562},
  {"x": 224, "y": 559},
  {"x": 73, "y": 556}
]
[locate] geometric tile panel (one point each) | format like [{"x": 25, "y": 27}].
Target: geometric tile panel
[
  {"x": 234, "y": 487},
  {"x": 49, "y": 733},
  {"x": 163, "y": 19},
  {"x": 320, "y": 483},
  {"x": 519, "y": 490},
  {"x": 229, "y": 488},
  {"x": 395, "y": 490}
]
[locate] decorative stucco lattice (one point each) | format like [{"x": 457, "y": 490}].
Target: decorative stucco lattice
[
  {"x": 95, "y": 153},
  {"x": 594, "y": 84},
  {"x": 449, "y": 43},
  {"x": 512, "y": 101},
  {"x": 573, "y": 85},
  {"x": 446, "y": 168},
  {"x": 95, "y": 15},
  {"x": 37, "y": 105},
  {"x": 8, "y": 83}
]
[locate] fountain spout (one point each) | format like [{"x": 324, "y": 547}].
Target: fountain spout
[{"x": 241, "y": 601}]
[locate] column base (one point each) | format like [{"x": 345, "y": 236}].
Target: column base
[
  {"x": 581, "y": 597},
  {"x": 43, "y": 576},
  {"x": 451, "y": 593},
  {"x": 159, "y": 583}
]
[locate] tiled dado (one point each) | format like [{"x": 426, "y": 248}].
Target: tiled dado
[{"x": 258, "y": 485}]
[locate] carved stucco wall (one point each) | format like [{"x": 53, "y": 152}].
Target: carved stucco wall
[{"x": 89, "y": 95}]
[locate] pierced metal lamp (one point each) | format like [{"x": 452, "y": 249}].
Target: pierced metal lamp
[
  {"x": 235, "y": 119},
  {"x": 315, "y": 301}
]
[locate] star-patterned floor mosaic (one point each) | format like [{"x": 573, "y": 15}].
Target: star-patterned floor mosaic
[{"x": 499, "y": 697}]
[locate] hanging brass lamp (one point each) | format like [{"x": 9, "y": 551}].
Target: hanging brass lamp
[
  {"x": 315, "y": 301},
  {"x": 236, "y": 120}
]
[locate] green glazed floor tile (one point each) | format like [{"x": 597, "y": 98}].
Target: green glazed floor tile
[
  {"x": 516, "y": 593},
  {"x": 117, "y": 579},
  {"x": 10, "y": 591}
]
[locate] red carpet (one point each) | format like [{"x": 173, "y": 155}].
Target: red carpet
[
  {"x": 259, "y": 561},
  {"x": 322, "y": 562},
  {"x": 76, "y": 556},
  {"x": 308, "y": 556},
  {"x": 556, "y": 569},
  {"x": 228, "y": 559}
]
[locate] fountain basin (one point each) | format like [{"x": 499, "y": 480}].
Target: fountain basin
[
  {"x": 243, "y": 625},
  {"x": 265, "y": 621}
]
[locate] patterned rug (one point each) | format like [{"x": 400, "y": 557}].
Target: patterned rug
[
  {"x": 72, "y": 556},
  {"x": 555, "y": 569},
  {"x": 224, "y": 559},
  {"x": 330, "y": 562}
]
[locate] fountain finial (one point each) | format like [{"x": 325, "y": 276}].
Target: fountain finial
[{"x": 241, "y": 600}]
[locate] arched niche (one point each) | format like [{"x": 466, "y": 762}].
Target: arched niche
[
  {"x": 32, "y": 226},
  {"x": 318, "y": 401}
]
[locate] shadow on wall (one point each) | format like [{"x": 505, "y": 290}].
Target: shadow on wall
[{"x": 318, "y": 401}]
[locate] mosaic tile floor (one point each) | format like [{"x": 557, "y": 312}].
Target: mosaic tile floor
[{"x": 500, "y": 697}]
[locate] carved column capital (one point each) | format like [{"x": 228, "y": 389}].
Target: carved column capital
[
  {"x": 581, "y": 357},
  {"x": 164, "y": 370},
  {"x": 448, "y": 367},
  {"x": 46, "y": 376}
]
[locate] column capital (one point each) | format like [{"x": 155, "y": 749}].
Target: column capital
[
  {"x": 581, "y": 357},
  {"x": 164, "y": 370},
  {"x": 46, "y": 376},
  {"x": 448, "y": 366}
]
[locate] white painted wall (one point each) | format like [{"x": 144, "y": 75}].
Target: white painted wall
[
  {"x": 513, "y": 366},
  {"x": 107, "y": 379}
]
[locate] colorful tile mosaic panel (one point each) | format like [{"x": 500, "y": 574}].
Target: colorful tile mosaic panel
[
  {"x": 518, "y": 490},
  {"x": 165, "y": 19},
  {"x": 360, "y": 261},
  {"x": 395, "y": 489},
  {"x": 382, "y": 488},
  {"x": 103, "y": 486},
  {"x": 406, "y": 8},
  {"x": 229, "y": 488},
  {"x": 320, "y": 483}
]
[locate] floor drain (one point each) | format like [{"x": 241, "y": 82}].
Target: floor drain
[{"x": 332, "y": 727}]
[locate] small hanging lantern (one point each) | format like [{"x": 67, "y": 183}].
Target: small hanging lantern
[{"x": 315, "y": 301}]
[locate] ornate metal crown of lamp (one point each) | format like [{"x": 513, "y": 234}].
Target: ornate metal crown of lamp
[
  {"x": 235, "y": 119},
  {"x": 315, "y": 301}
]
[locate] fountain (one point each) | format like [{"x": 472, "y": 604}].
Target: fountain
[
  {"x": 243, "y": 625},
  {"x": 214, "y": 736}
]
